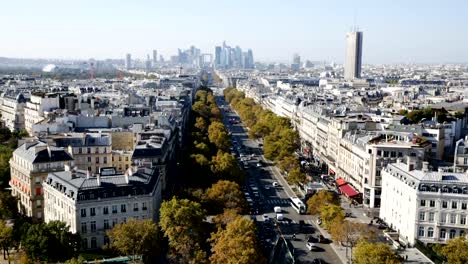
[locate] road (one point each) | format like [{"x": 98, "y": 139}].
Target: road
[{"x": 264, "y": 197}]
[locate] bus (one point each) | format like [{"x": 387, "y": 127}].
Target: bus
[{"x": 298, "y": 205}]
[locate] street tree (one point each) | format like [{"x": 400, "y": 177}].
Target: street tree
[
  {"x": 181, "y": 221},
  {"x": 331, "y": 213},
  {"x": 8, "y": 206},
  {"x": 321, "y": 198},
  {"x": 455, "y": 251},
  {"x": 6, "y": 239},
  {"x": 367, "y": 253},
  {"x": 236, "y": 244},
  {"x": 137, "y": 237},
  {"x": 225, "y": 195},
  {"x": 225, "y": 166},
  {"x": 218, "y": 135}
]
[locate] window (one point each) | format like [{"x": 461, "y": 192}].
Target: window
[
  {"x": 400, "y": 154},
  {"x": 106, "y": 240},
  {"x": 135, "y": 207},
  {"x": 97, "y": 150},
  {"x": 123, "y": 208},
  {"x": 423, "y": 202},
  {"x": 443, "y": 218},
  {"x": 432, "y": 203},
  {"x": 105, "y": 159},
  {"x": 431, "y": 217},
  {"x": 97, "y": 159},
  {"x": 393, "y": 154},
  {"x": 124, "y": 220},
  {"x": 143, "y": 206},
  {"x": 379, "y": 153},
  {"x": 454, "y": 205},
  {"x": 83, "y": 212},
  {"x": 114, "y": 209},
  {"x": 421, "y": 231},
  {"x": 385, "y": 154},
  {"x": 106, "y": 224},
  {"x": 89, "y": 150},
  {"x": 444, "y": 204},
  {"x": 92, "y": 211},
  {"x": 462, "y": 219},
  {"x": 452, "y": 233},
  {"x": 114, "y": 222},
  {"x": 430, "y": 232},
  {"x": 93, "y": 242},
  {"x": 80, "y": 151},
  {"x": 38, "y": 203},
  {"x": 422, "y": 216},
  {"x": 463, "y": 206},
  {"x": 105, "y": 210},
  {"x": 84, "y": 243},
  {"x": 38, "y": 180},
  {"x": 462, "y": 233},
  {"x": 93, "y": 226},
  {"x": 453, "y": 218},
  {"x": 84, "y": 228},
  {"x": 89, "y": 159},
  {"x": 442, "y": 234},
  {"x": 104, "y": 150}
]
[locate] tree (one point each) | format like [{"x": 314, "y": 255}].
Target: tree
[
  {"x": 236, "y": 244},
  {"x": 218, "y": 135},
  {"x": 201, "y": 124},
  {"x": 295, "y": 176},
  {"x": 181, "y": 220},
  {"x": 6, "y": 239},
  {"x": 225, "y": 194},
  {"x": 367, "y": 253},
  {"x": 350, "y": 233},
  {"x": 51, "y": 242},
  {"x": 455, "y": 251},
  {"x": 331, "y": 213},
  {"x": 228, "y": 215},
  {"x": 8, "y": 205},
  {"x": 225, "y": 166},
  {"x": 137, "y": 237},
  {"x": 321, "y": 198}
]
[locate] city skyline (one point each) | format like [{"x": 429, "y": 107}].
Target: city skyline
[{"x": 395, "y": 32}]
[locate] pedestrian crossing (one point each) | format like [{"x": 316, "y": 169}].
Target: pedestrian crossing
[{"x": 277, "y": 201}]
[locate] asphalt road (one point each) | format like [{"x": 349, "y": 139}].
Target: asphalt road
[{"x": 264, "y": 199}]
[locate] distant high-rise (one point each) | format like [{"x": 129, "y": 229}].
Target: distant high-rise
[
  {"x": 148, "y": 63},
  {"x": 218, "y": 52},
  {"x": 353, "y": 60},
  {"x": 128, "y": 61},
  {"x": 155, "y": 57}
]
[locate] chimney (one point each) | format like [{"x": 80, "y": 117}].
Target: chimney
[
  {"x": 410, "y": 164},
  {"x": 67, "y": 167},
  {"x": 127, "y": 180},
  {"x": 98, "y": 179},
  {"x": 425, "y": 166},
  {"x": 88, "y": 174}
]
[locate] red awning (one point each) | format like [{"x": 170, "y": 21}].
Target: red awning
[
  {"x": 340, "y": 182},
  {"x": 348, "y": 190}
]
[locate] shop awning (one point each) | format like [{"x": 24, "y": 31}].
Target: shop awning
[
  {"x": 340, "y": 182},
  {"x": 348, "y": 190}
]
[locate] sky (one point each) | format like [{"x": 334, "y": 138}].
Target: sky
[{"x": 395, "y": 31}]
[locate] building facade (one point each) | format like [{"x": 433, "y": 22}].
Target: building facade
[
  {"x": 29, "y": 166},
  {"x": 424, "y": 205},
  {"x": 92, "y": 205},
  {"x": 353, "y": 55}
]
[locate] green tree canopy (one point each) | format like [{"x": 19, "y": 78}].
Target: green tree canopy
[
  {"x": 236, "y": 244},
  {"x": 225, "y": 166},
  {"x": 218, "y": 135},
  {"x": 367, "y": 253},
  {"x": 137, "y": 237},
  {"x": 181, "y": 220},
  {"x": 225, "y": 194},
  {"x": 455, "y": 251},
  {"x": 330, "y": 213},
  {"x": 321, "y": 198}
]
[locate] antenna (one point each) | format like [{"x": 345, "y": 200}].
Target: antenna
[
  {"x": 354, "y": 19},
  {"x": 92, "y": 71}
]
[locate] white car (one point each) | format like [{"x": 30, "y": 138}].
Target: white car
[
  {"x": 275, "y": 184},
  {"x": 277, "y": 209},
  {"x": 259, "y": 164},
  {"x": 311, "y": 246},
  {"x": 279, "y": 217}
]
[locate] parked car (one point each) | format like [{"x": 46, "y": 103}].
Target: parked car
[
  {"x": 277, "y": 209},
  {"x": 311, "y": 246},
  {"x": 266, "y": 218},
  {"x": 275, "y": 184}
]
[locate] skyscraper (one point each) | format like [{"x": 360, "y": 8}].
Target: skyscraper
[
  {"x": 128, "y": 61},
  {"x": 353, "y": 60},
  {"x": 155, "y": 57},
  {"x": 218, "y": 52}
]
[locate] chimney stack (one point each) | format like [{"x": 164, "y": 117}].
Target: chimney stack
[
  {"x": 88, "y": 174},
  {"x": 98, "y": 179}
]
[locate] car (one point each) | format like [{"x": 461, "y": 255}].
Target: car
[
  {"x": 247, "y": 194},
  {"x": 311, "y": 246},
  {"x": 266, "y": 218},
  {"x": 255, "y": 189},
  {"x": 275, "y": 184},
  {"x": 279, "y": 217},
  {"x": 259, "y": 164},
  {"x": 267, "y": 187},
  {"x": 277, "y": 209},
  {"x": 312, "y": 239}
]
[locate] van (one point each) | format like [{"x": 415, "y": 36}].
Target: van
[
  {"x": 279, "y": 217},
  {"x": 277, "y": 209}
]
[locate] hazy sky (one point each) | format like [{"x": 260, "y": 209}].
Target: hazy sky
[{"x": 394, "y": 30}]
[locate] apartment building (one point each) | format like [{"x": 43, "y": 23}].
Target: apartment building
[
  {"x": 91, "y": 151},
  {"x": 38, "y": 107},
  {"x": 363, "y": 155},
  {"x": 29, "y": 166},
  {"x": 12, "y": 110},
  {"x": 91, "y": 205},
  {"x": 424, "y": 205}
]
